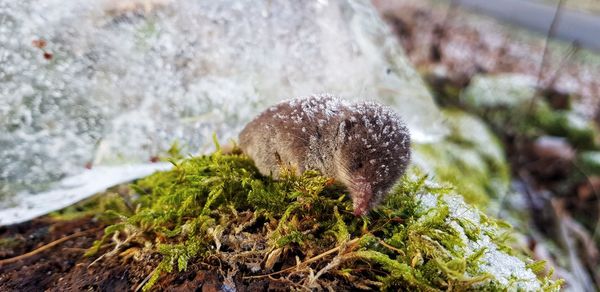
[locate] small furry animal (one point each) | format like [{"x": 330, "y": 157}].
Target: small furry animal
[{"x": 365, "y": 146}]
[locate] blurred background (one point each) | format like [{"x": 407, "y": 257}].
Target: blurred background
[{"x": 501, "y": 97}]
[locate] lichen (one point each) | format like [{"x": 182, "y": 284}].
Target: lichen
[{"x": 301, "y": 230}]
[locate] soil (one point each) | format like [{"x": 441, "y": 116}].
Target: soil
[
  {"x": 64, "y": 267},
  {"x": 61, "y": 267}
]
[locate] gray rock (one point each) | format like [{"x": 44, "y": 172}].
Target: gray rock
[{"x": 128, "y": 78}]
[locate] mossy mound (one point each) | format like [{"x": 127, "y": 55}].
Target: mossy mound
[{"x": 301, "y": 231}]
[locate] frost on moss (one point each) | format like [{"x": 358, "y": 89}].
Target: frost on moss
[{"x": 301, "y": 231}]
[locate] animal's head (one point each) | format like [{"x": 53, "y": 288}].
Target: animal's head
[{"x": 372, "y": 152}]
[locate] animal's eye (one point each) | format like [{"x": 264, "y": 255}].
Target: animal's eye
[
  {"x": 358, "y": 164},
  {"x": 350, "y": 124}
]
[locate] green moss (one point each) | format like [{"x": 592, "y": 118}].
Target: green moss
[
  {"x": 589, "y": 162},
  {"x": 220, "y": 207},
  {"x": 580, "y": 132}
]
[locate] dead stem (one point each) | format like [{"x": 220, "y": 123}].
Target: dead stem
[
  {"x": 391, "y": 247},
  {"x": 141, "y": 285},
  {"x": 311, "y": 260},
  {"x": 47, "y": 246}
]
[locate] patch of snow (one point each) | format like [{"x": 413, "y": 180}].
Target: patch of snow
[
  {"x": 74, "y": 189},
  {"x": 506, "y": 269}
]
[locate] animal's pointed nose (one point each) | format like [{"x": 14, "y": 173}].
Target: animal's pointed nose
[
  {"x": 360, "y": 211},
  {"x": 361, "y": 198}
]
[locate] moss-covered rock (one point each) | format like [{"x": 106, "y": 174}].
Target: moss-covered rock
[
  {"x": 590, "y": 162},
  {"x": 511, "y": 103},
  {"x": 503, "y": 90},
  {"x": 471, "y": 158},
  {"x": 580, "y": 132},
  {"x": 506, "y": 102},
  {"x": 301, "y": 229}
]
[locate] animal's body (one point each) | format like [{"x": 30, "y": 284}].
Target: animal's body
[{"x": 365, "y": 146}]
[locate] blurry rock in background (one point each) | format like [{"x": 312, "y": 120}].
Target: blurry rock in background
[{"x": 546, "y": 114}]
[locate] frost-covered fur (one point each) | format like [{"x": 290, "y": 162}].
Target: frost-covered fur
[{"x": 364, "y": 145}]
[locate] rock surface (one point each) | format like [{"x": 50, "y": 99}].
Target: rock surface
[
  {"x": 94, "y": 83},
  {"x": 471, "y": 158}
]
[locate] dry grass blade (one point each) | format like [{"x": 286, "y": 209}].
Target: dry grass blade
[
  {"x": 349, "y": 245},
  {"x": 46, "y": 246}
]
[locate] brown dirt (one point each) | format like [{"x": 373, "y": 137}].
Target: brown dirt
[
  {"x": 61, "y": 267},
  {"x": 64, "y": 267}
]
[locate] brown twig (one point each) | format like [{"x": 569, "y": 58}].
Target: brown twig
[
  {"x": 573, "y": 50},
  {"x": 391, "y": 247},
  {"x": 550, "y": 34},
  {"x": 46, "y": 246}
]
